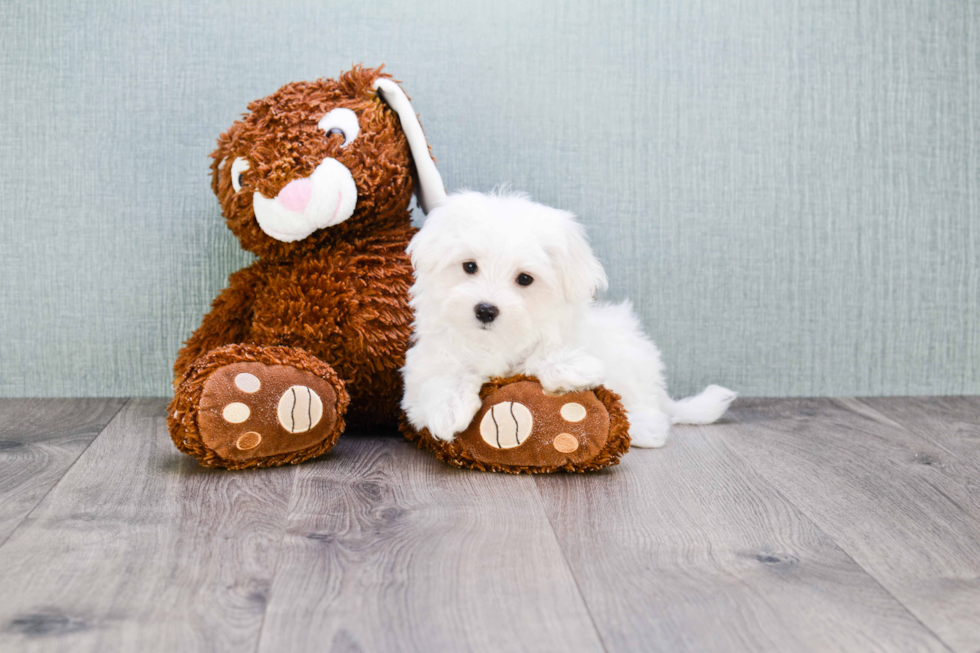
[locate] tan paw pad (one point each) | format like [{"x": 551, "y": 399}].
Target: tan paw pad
[
  {"x": 248, "y": 441},
  {"x": 506, "y": 425},
  {"x": 573, "y": 412},
  {"x": 236, "y": 412},
  {"x": 300, "y": 409},
  {"x": 248, "y": 383},
  {"x": 565, "y": 443}
]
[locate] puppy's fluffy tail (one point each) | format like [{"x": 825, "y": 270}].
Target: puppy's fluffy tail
[{"x": 704, "y": 408}]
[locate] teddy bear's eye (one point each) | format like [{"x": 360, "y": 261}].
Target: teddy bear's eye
[
  {"x": 469, "y": 267},
  {"x": 525, "y": 279},
  {"x": 343, "y": 122},
  {"x": 238, "y": 169}
]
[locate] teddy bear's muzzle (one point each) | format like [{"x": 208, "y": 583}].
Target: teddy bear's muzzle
[{"x": 324, "y": 199}]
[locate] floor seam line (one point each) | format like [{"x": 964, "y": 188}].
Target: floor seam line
[
  {"x": 275, "y": 567},
  {"x": 905, "y": 427},
  {"x": 126, "y": 402},
  {"x": 816, "y": 524},
  {"x": 571, "y": 571}
]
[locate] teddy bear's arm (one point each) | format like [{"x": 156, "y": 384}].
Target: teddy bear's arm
[{"x": 227, "y": 322}]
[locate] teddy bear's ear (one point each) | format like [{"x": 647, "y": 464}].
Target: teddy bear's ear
[{"x": 430, "y": 191}]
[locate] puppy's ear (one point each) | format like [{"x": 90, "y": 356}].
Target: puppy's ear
[
  {"x": 582, "y": 275},
  {"x": 432, "y": 246},
  {"x": 430, "y": 191}
]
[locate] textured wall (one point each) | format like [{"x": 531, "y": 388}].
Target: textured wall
[{"x": 789, "y": 191}]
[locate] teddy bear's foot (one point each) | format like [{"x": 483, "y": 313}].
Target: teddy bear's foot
[
  {"x": 522, "y": 429},
  {"x": 247, "y": 406}
]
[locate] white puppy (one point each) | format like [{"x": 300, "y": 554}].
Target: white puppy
[{"x": 506, "y": 286}]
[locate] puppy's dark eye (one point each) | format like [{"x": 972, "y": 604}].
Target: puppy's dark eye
[
  {"x": 525, "y": 279},
  {"x": 337, "y": 130},
  {"x": 469, "y": 267}
]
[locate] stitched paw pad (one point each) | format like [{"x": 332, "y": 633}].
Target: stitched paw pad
[
  {"x": 522, "y": 428},
  {"x": 249, "y": 410},
  {"x": 521, "y": 424}
]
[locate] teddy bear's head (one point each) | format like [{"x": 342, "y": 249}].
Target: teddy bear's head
[{"x": 317, "y": 160}]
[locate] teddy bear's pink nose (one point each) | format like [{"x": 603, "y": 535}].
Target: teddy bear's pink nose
[{"x": 296, "y": 195}]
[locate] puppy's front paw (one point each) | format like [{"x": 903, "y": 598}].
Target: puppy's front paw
[
  {"x": 571, "y": 373},
  {"x": 448, "y": 410},
  {"x": 454, "y": 416}
]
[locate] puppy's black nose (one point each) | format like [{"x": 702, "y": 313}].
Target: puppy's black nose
[{"x": 487, "y": 313}]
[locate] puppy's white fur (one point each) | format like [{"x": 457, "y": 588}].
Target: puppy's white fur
[{"x": 552, "y": 329}]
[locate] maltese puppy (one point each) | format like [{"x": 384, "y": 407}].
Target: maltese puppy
[{"x": 506, "y": 286}]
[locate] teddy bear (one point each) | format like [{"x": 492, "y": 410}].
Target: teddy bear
[{"x": 316, "y": 181}]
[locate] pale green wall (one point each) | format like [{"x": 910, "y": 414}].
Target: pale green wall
[{"x": 789, "y": 191}]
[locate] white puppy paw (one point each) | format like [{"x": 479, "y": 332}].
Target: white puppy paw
[
  {"x": 570, "y": 371},
  {"x": 447, "y": 409},
  {"x": 649, "y": 428}
]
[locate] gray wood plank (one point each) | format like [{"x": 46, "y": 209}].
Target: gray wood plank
[
  {"x": 952, "y": 424},
  {"x": 688, "y": 549},
  {"x": 901, "y": 506},
  {"x": 388, "y": 549},
  {"x": 140, "y": 549},
  {"x": 39, "y": 440}
]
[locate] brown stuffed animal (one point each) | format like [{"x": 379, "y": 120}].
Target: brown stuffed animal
[{"x": 316, "y": 181}]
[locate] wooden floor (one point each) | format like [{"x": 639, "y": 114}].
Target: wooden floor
[{"x": 830, "y": 525}]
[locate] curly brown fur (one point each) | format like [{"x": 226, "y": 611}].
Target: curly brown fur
[
  {"x": 282, "y": 141},
  {"x": 454, "y": 453}
]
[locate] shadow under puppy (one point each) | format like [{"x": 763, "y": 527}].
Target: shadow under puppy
[{"x": 506, "y": 286}]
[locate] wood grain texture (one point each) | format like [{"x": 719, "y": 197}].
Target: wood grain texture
[
  {"x": 794, "y": 525},
  {"x": 39, "y": 440},
  {"x": 687, "y": 549},
  {"x": 139, "y": 549},
  {"x": 900, "y": 500},
  {"x": 952, "y": 424},
  {"x": 387, "y": 549}
]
